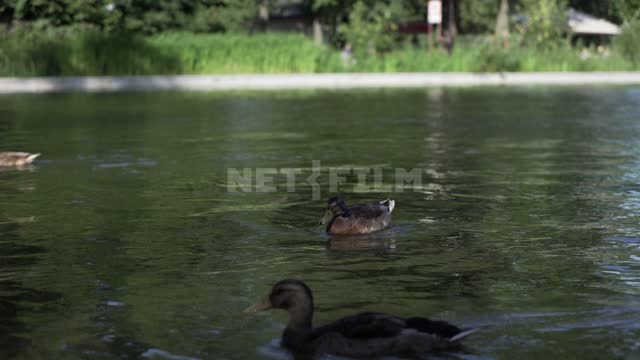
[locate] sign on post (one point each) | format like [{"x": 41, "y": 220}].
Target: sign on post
[{"x": 434, "y": 12}]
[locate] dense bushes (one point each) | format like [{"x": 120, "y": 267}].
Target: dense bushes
[
  {"x": 628, "y": 43},
  {"x": 139, "y": 16}
]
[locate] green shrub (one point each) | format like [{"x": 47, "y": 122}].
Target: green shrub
[
  {"x": 496, "y": 59},
  {"x": 371, "y": 27},
  {"x": 628, "y": 42},
  {"x": 545, "y": 22}
]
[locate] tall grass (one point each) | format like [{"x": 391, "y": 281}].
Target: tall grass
[
  {"x": 93, "y": 53},
  {"x": 270, "y": 53}
]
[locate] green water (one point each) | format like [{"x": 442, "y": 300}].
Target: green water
[{"x": 124, "y": 241}]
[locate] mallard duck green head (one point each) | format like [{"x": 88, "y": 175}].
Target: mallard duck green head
[
  {"x": 335, "y": 207},
  {"x": 286, "y": 295}
]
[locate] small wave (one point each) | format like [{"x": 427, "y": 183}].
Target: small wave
[{"x": 153, "y": 353}]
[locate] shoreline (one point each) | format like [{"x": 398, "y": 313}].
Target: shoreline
[{"x": 13, "y": 85}]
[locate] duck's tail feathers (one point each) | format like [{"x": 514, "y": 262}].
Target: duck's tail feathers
[
  {"x": 389, "y": 203},
  {"x": 462, "y": 335},
  {"x": 32, "y": 157}
]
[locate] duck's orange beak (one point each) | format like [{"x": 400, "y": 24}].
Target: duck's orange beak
[
  {"x": 328, "y": 215},
  {"x": 265, "y": 305}
]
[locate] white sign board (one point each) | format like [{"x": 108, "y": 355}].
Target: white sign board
[{"x": 434, "y": 11}]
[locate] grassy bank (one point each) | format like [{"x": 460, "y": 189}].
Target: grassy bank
[{"x": 92, "y": 53}]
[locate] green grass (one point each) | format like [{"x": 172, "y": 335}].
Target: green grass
[
  {"x": 94, "y": 53},
  {"x": 63, "y": 53}
]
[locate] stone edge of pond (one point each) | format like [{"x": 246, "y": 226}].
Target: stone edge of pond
[{"x": 10, "y": 85}]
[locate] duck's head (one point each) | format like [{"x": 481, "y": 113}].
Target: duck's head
[
  {"x": 287, "y": 295},
  {"x": 335, "y": 207}
]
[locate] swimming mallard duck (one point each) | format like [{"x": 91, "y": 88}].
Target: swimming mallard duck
[
  {"x": 365, "y": 334},
  {"x": 357, "y": 219},
  {"x": 12, "y": 158}
]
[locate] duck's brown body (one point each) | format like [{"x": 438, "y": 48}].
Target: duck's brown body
[
  {"x": 357, "y": 219},
  {"x": 361, "y": 335},
  {"x": 374, "y": 334},
  {"x": 13, "y": 158}
]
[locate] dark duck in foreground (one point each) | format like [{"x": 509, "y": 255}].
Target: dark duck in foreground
[
  {"x": 356, "y": 219},
  {"x": 12, "y": 158},
  {"x": 365, "y": 334}
]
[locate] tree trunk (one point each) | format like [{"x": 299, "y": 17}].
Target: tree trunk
[
  {"x": 453, "y": 30},
  {"x": 263, "y": 15},
  {"x": 317, "y": 31},
  {"x": 502, "y": 22}
]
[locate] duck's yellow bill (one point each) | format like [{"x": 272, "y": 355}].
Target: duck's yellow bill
[
  {"x": 328, "y": 215},
  {"x": 265, "y": 305}
]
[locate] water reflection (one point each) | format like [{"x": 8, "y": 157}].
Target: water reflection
[
  {"x": 29, "y": 168},
  {"x": 18, "y": 302},
  {"x": 360, "y": 243}
]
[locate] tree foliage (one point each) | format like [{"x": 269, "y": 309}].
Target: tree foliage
[
  {"x": 144, "y": 16},
  {"x": 477, "y": 16},
  {"x": 618, "y": 11},
  {"x": 545, "y": 21},
  {"x": 371, "y": 25},
  {"x": 351, "y": 20},
  {"x": 626, "y": 10},
  {"x": 628, "y": 43}
]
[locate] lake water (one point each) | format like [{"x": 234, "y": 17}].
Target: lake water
[{"x": 124, "y": 240}]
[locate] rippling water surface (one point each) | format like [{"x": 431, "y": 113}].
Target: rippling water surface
[{"x": 124, "y": 241}]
